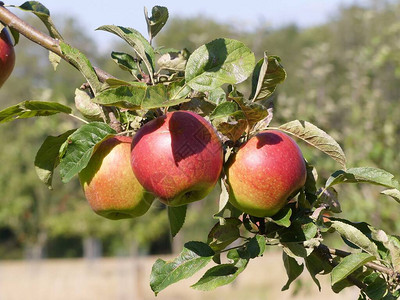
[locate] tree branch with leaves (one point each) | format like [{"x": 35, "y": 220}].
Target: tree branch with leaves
[{"x": 204, "y": 84}]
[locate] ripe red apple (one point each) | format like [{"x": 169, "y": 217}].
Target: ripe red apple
[
  {"x": 265, "y": 171},
  {"x": 178, "y": 157},
  {"x": 109, "y": 184},
  {"x": 7, "y": 56}
]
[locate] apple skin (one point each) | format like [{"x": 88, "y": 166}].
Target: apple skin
[
  {"x": 178, "y": 157},
  {"x": 7, "y": 56},
  {"x": 109, "y": 184},
  {"x": 265, "y": 171}
]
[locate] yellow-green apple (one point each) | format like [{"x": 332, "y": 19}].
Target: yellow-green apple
[
  {"x": 7, "y": 56},
  {"x": 264, "y": 172},
  {"x": 109, "y": 184},
  {"x": 178, "y": 157}
]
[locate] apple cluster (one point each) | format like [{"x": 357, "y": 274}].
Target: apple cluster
[
  {"x": 7, "y": 56},
  {"x": 178, "y": 158}
]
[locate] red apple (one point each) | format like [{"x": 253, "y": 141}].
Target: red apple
[
  {"x": 178, "y": 157},
  {"x": 109, "y": 184},
  {"x": 265, "y": 171},
  {"x": 7, "y": 56}
]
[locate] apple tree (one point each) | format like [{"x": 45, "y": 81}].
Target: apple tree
[{"x": 179, "y": 125}]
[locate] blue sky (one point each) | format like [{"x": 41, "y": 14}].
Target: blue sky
[{"x": 248, "y": 13}]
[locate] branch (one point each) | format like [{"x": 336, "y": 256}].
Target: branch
[
  {"x": 53, "y": 45},
  {"x": 40, "y": 38}
]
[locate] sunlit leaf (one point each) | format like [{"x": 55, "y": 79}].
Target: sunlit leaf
[
  {"x": 30, "y": 109},
  {"x": 138, "y": 96},
  {"x": 316, "y": 138},
  {"x": 136, "y": 40},
  {"x": 85, "y": 105},
  {"x": 394, "y": 193},
  {"x": 78, "y": 148},
  {"x": 157, "y": 20},
  {"x": 43, "y": 14},
  {"x": 219, "y": 62},
  {"x": 348, "y": 265},
  {"x": 355, "y": 236},
  {"x": 268, "y": 73},
  {"x": 174, "y": 61},
  {"x": 363, "y": 175},
  {"x": 194, "y": 256},
  {"x": 82, "y": 63}
]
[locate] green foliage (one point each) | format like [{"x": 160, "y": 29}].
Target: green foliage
[
  {"x": 194, "y": 256},
  {"x": 30, "y": 109},
  {"x": 176, "y": 216},
  {"x": 221, "y": 80}
]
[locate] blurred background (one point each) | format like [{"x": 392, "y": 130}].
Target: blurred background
[{"x": 343, "y": 65}]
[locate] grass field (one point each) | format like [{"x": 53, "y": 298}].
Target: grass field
[{"x": 128, "y": 279}]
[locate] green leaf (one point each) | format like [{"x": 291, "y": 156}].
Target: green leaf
[
  {"x": 159, "y": 16},
  {"x": 176, "y": 216},
  {"x": 222, "y": 61},
  {"x": 315, "y": 265},
  {"x": 77, "y": 150},
  {"x": 348, "y": 265},
  {"x": 224, "y": 233},
  {"x": 174, "y": 61},
  {"x": 394, "y": 193},
  {"x": 178, "y": 90},
  {"x": 129, "y": 97},
  {"x": 226, "y": 109},
  {"x": 81, "y": 62},
  {"x": 355, "y": 236},
  {"x": 223, "y": 201},
  {"x": 268, "y": 73},
  {"x": 316, "y": 138},
  {"x": 376, "y": 286},
  {"x": 85, "y": 105},
  {"x": 217, "y": 96},
  {"x": 30, "y": 109},
  {"x": 15, "y": 34},
  {"x": 393, "y": 245},
  {"x": 299, "y": 231},
  {"x": 363, "y": 175},
  {"x": 253, "y": 112},
  {"x": 43, "y": 14},
  {"x": 194, "y": 256},
  {"x": 293, "y": 269},
  {"x": 137, "y": 96},
  {"x": 126, "y": 62},
  {"x": 282, "y": 218},
  {"x": 217, "y": 276},
  {"x": 256, "y": 246},
  {"x": 136, "y": 40},
  {"x": 47, "y": 157}
]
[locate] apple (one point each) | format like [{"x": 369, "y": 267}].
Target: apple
[
  {"x": 109, "y": 184},
  {"x": 178, "y": 157},
  {"x": 7, "y": 56},
  {"x": 264, "y": 172}
]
